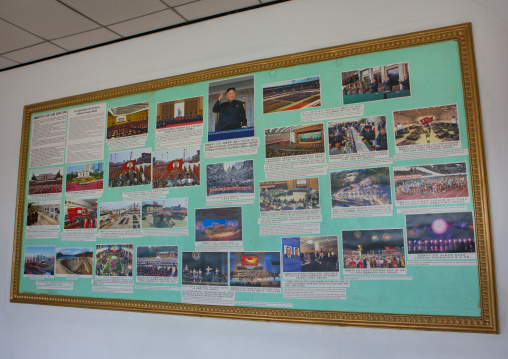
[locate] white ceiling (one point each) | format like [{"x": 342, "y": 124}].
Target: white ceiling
[{"x": 32, "y": 30}]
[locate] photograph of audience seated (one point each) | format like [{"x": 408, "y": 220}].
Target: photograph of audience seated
[
  {"x": 254, "y": 269},
  {"x": 185, "y": 112},
  {"x": 294, "y": 140},
  {"x": 45, "y": 181},
  {"x": 310, "y": 254},
  {"x": 376, "y": 83},
  {"x": 289, "y": 195},
  {"x": 126, "y": 121},
  {"x": 292, "y": 95},
  {"x": 157, "y": 262},
  {"x": 205, "y": 268}
]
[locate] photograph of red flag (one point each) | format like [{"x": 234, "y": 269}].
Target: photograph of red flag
[{"x": 176, "y": 168}]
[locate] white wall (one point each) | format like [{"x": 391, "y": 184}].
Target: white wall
[{"x": 49, "y": 332}]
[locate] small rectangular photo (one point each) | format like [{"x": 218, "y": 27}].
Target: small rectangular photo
[
  {"x": 164, "y": 213},
  {"x": 113, "y": 260},
  {"x": 289, "y": 196},
  {"x": 39, "y": 261},
  {"x": 157, "y": 264},
  {"x": 130, "y": 168},
  {"x": 293, "y": 94},
  {"x": 219, "y": 224},
  {"x": 376, "y": 83},
  {"x": 176, "y": 168},
  {"x": 230, "y": 180},
  {"x": 81, "y": 214},
  {"x": 120, "y": 215},
  {"x": 45, "y": 182},
  {"x": 178, "y": 113},
  {"x": 127, "y": 121},
  {"x": 205, "y": 268},
  {"x": 310, "y": 255},
  {"x": 293, "y": 141},
  {"x": 84, "y": 177},
  {"x": 254, "y": 269},
  {"x": 43, "y": 213},
  {"x": 231, "y": 108},
  {"x": 72, "y": 262}
]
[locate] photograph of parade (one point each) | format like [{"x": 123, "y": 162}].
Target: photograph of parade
[
  {"x": 176, "y": 168},
  {"x": 39, "y": 260},
  {"x": 254, "y": 269},
  {"x": 126, "y": 121},
  {"x": 447, "y": 180},
  {"x": 438, "y": 233},
  {"x": 218, "y": 224},
  {"x": 310, "y": 254},
  {"x": 291, "y": 95},
  {"x": 231, "y": 108},
  {"x": 130, "y": 168},
  {"x": 229, "y": 178},
  {"x": 164, "y": 213},
  {"x": 426, "y": 125},
  {"x": 361, "y": 187},
  {"x": 376, "y": 83},
  {"x": 294, "y": 140},
  {"x": 85, "y": 177},
  {"x": 289, "y": 195},
  {"x": 373, "y": 249},
  {"x": 74, "y": 261},
  {"x": 361, "y": 135},
  {"x": 178, "y": 113},
  {"x": 45, "y": 181},
  {"x": 120, "y": 215},
  {"x": 113, "y": 260},
  {"x": 157, "y": 261},
  {"x": 45, "y": 213},
  {"x": 205, "y": 268},
  {"x": 80, "y": 214}
]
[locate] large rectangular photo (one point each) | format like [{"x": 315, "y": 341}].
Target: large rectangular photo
[
  {"x": 205, "y": 268},
  {"x": 179, "y": 113},
  {"x": 254, "y": 270},
  {"x": 84, "y": 178},
  {"x": 176, "y": 168},
  {"x": 113, "y": 260},
  {"x": 165, "y": 213},
  {"x": 293, "y": 94},
  {"x": 45, "y": 182},
  {"x": 45, "y": 214},
  {"x": 294, "y": 142},
  {"x": 215, "y": 225},
  {"x": 127, "y": 121},
  {"x": 120, "y": 215},
  {"x": 130, "y": 168},
  {"x": 157, "y": 264},
  {"x": 230, "y": 180},
  {"x": 74, "y": 262},
  {"x": 39, "y": 261},
  {"x": 81, "y": 215}
]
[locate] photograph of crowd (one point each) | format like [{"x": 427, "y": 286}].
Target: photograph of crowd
[
  {"x": 447, "y": 180},
  {"x": 113, "y": 260},
  {"x": 289, "y": 195},
  {"x": 45, "y": 213},
  {"x": 45, "y": 181},
  {"x": 126, "y": 121},
  {"x": 120, "y": 215},
  {"x": 178, "y": 113},
  {"x": 85, "y": 177},
  {"x": 130, "y": 168},
  {"x": 436, "y": 233},
  {"x": 164, "y": 213},
  {"x": 254, "y": 269},
  {"x": 176, "y": 168},
  {"x": 39, "y": 260},
  {"x": 291, "y": 95},
  {"x": 361, "y": 135},
  {"x": 205, "y": 268},
  {"x": 376, "y": 83},
  {"x": 81, "y": 214},
  {"x": 361, "y": 187},
  {"x": 294, "y": 140},
  {"x": 310, "y": 254},
  {"x": 229, "y": 178},
  {"x": 373, "y": 248},
  {"x": 157, "y": 261},
  {"x": 426, "y": 125},
  {"x": 74, "y": 261},
  {"x": 218, "y": 224}
]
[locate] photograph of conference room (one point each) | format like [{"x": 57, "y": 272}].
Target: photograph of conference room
[
  {"x": 39, "y": 261},
  {"x": 376, "y": 83},
  {"x": 45, "y": 181},
  {"x": 254, "y": 269},
  {"x": 157, "y": 262},
  {"x": 85, "y": 177},
  {"x": 310, "y": 254},
  {"x": 185, "y": 112},
  {"x": 289, "y": 195},
  {"x": 119, "y": 215},
  {"x": 426, "y": 125},
  {"x": 218, "y": 224},
  {"x": 176, "y": 168},
  {"x": 126, "y": 121},
  {"x": 113, "y": 260},
  {"x": 230, "y": 178},
  {"x": 81, "y": 214},
  {"x": 205, "y": 268},
  {"x": 43, "y": 213},
  {"x": 164, "y": 213},
  {"x": 291, "y": 95},
  {"x": 294, "y": 141},
  {"x": 130, "y": 168}
]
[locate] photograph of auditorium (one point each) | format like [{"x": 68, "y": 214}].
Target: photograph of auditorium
[
  {"x": 373, "y": 249},
  {"x": 178, "y": 113},
  {"x": 157, "y": 261},
  {"x": 74, "y": 262},
  {"x": 233, "y": 115},
  {"x": 230, "y": 178},
  {"x": 310, "y": 254},
  {"x": 294, "y": 140},
  {"x": 439, "y": 181},
  {"x": 254, "y": 269},
  {"x": 361, "y": 187},
  {"x": 291, "y": 95},
  {"x": 426, "y": 125},
  {"x": 130, "y": 168},
  {"x": 45, "y": 181},
  {"x": 126, "y": 121},
  {"x": 176, "y": 168},
  {"x": 113, "y": 260},
  {"x": 80, "y": 214},
  {"x": 164, "y": 213},
  {"x": 120, "y": 215},
  {"x": 218, "y": 224},
  {"x": 289, "y": 195},
  {"x": 205, "y": 268},
  {"x": 44, "y": 213},
  {"x": 39, "y": 261},
  {"x": 376, "y": 83},
  {"x": 85, "y": 177},
  {"x": 439, "y": 233},
  {"x": 359, "y": 135}
]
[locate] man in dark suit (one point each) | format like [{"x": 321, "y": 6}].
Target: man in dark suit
[
  {"x": 405, "y": 82},
  {"x": 231, "y": 113}
]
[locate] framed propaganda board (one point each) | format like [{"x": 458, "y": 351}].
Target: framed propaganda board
[{"x": 340, "y": 186}]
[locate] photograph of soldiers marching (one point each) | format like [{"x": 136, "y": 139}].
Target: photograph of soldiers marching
[
  {"x": 205, "y": 268},
  {"x": 254, "y": 269},
  {"x": 159, "y": 262},
  {"x": 80, "y": 214},
  {"x": 130, "y": 120},
  {"x": 120, "y": 215},
  {"x": 113, "y": 260},
  {"x": 176, "y": 168},
  {"x": 85, "y": 177},
  {"x": 294, "y": 140},
  {"x": 310, "y": 254},
  {"x": 45, "y": 181},
  {"x": 130, "y": 168},
  {"x": 45, "y": 213},
  {"x": 291, "y": 95},
  {"x": 236, "y": 177},
  {"x": 74, "y": 262},
  {"x": 39, "y": 261},
  {"x": 177, "y": 113},
  {"x": 289, "y": 195},
  {"x": 361, "y": 135},
  {"x": 165, "y": 213}
]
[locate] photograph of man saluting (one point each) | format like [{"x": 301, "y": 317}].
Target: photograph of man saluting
[{"x": 231, "y": 113}]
